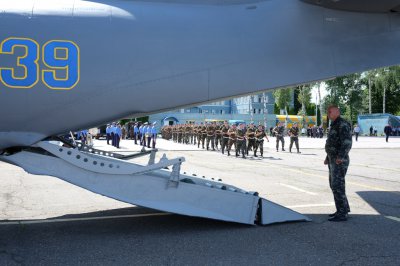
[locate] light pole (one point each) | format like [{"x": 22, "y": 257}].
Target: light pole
[
  {"x": 384, "y": 98},
  {"x": 369, "y": 94}
]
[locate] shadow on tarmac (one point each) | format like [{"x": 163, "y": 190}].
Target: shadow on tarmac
[{"x": 184, "y": 240}]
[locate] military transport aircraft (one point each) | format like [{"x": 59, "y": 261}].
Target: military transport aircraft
[{"x": 72, "y": 64}]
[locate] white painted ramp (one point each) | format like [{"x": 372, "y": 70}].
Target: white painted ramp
[{"x": 151, "y": 186}]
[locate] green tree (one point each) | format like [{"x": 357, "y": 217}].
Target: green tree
[
  {"x": 382, "y": 81},
  {"x": 346, "y": 92},
  {"x": 283, "y": 98},
  {"x": 304, "y": 97}
]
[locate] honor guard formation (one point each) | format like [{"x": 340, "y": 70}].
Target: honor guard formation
[
  {"x": 219, "y": 136},
  {"x": 144, "y": 134}
]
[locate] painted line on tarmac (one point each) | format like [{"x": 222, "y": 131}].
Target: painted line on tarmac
[
  {"x": 376, "y": 167},
  {"x": 312, "y": 205},
  {"x": 83, "y": 219},
  {"x": 347, "y": 182},
  {"x": 298, "y": 189},
  {"x": 393, "y": 218}
]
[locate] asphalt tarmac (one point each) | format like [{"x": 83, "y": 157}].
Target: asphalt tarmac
[{"x": 45, "y": 221}]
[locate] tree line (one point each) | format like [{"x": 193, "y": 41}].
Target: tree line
[{"x": 374, "y": 91}]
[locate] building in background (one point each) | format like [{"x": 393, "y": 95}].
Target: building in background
[
  {"x": 255, "y": 108},
  {"x": 379, "y": 121}
]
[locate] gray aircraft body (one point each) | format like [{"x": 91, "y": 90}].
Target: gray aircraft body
[{"x": 71, "y": 64}]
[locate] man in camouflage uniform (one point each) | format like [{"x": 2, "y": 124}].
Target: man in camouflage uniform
[
  {"x": 337, "y": 147},
  {"x": 188, "y": 130},
  {"x": 294, "y": 137},
  {"x": 225, "y": 136},
  {"x": 194, "y": 134},
  {"x": 241, "y": 141},
  {"x": 279, "y": 131},
  {"x": 260, "y": 135},
  {"x": 210, "y": 136},
  {"x": 218, "y": 135},
  {"x": 251, "y": 139},
  {"x": 232, "y": 138},
  {"x": 203, "y": 132}
]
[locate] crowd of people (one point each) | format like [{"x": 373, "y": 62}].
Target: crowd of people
[
  {"x": 223, "y": 136},
  {"x": 144, "y": 134}
]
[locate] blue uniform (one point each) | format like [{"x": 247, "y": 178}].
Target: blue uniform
[
  {"x": 154, "y": 136},
  {"x": 108, "y": 134},
  {"x": 149, "y": 135},
  {"x": 143, "y": 134},
  {"x": 112, "y": 133},
  {"x": 135, "y": 133},
  {"x": 117, "y": 135}
]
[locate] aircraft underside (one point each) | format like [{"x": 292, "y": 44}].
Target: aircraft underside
[{"x": 68, "y": 65}]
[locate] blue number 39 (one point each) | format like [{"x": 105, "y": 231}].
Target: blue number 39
[{"x": 61, "y": 57}]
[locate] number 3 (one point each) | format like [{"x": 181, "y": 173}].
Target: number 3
[{"x": 28, "y": 62}]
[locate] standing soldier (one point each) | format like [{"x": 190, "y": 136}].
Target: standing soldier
[
  {"x": 188, "y": 129},
  {"x": 174, "y": 133},
  {"x": 149, "y": 135},
  {"x": 191, "y": 133},
  {"x": 195, "y": 127},
  {"x": 180, "y": 133},
  {"x": 337, "y": 147},
  {"x": 117, "y": 135},
  {"x": 241, "y": 141},
  {"x": 211, "y": 135},
  {"x": 260, "y": 134},
  {"x": 279, "y": 131},
  {"x": 203, "y": 135},
  {"x": 153, "y": 135},
  {"x": 294, "y": 137},
  {"x": 135, "y": 132},
  {"x": 224, "y": 136},
  {"x": 199, "y": 129},
  {"x": 112, "y": 133},
  {"x": 232, "y": 138},
  {"x": 108, "y": 133},
  {"x": 218, "y": 135},
  {"x": 251, "y": 141}
]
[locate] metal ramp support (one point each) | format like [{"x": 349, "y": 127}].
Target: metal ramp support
[{"x": 152, "y": 185}]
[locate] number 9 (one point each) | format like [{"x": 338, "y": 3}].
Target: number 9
[{"x": 68, "y": 61}]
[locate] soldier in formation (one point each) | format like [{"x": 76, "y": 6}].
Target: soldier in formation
[
  {"x": 279, "y": 131},
  {"x": 251, "y": 138},
  {"x": 259, "y": 136},
  {"x": 210, "y": 135},
  {"x": 294, "y": 137},
  {"x": 224, "y": 136},
  {"x": 241, "y": 141},
  {"x": 241, "y": 138}
]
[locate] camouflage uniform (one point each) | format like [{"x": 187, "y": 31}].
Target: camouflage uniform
[
  {"x": 241, "y": 142},
  {"x": 232, "y": 139},
  {"x": 210, "y": 136},
  {"x": 225, "y": 137},
  {"x": 188, "y": 130},
  {"x": 203, "y": 135},
  {"x": 251, "y": 140},
  {"x": 279, "y": 131},
  {"x": 294, "y": 137},
  {"x": 218, "y": 135},
  {"x": 260, "y": 135},
  {"x": 338, "y": 145}
]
